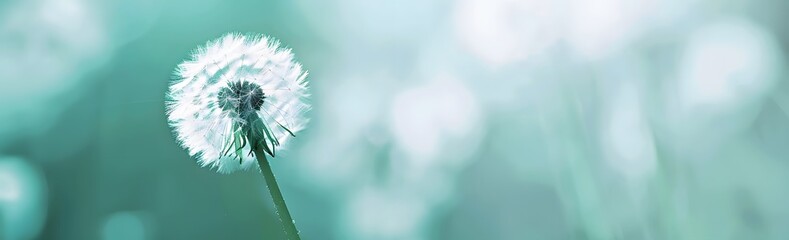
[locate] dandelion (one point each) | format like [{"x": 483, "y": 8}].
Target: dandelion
[{"x": 239, "y": 99}]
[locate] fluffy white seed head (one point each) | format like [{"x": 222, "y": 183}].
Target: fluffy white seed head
[{"x": 228, "y": 84}]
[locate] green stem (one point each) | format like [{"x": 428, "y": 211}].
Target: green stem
[{"x": 279, "y": 203}]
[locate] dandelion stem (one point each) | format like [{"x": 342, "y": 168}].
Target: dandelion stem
[{"x": 279, "y": 203}]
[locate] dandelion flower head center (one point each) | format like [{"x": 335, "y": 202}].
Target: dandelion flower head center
[{"x": 241, "y": 99}]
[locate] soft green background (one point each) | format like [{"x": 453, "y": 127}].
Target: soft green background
[{"x": 447, "y": 119}]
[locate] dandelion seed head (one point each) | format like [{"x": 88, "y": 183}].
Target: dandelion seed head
[{"x": 225, "y": 87}]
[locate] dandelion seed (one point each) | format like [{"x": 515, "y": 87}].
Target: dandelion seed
[{"x": 238, "y": 94}]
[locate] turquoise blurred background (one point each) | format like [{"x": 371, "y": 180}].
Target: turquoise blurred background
[{"x": 446, "y": 119}]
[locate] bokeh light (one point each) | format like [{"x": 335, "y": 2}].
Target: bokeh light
[{"x": 23, "y": 199}]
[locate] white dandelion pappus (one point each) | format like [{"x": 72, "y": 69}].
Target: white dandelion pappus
[{"x": 235, "y": 86}]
